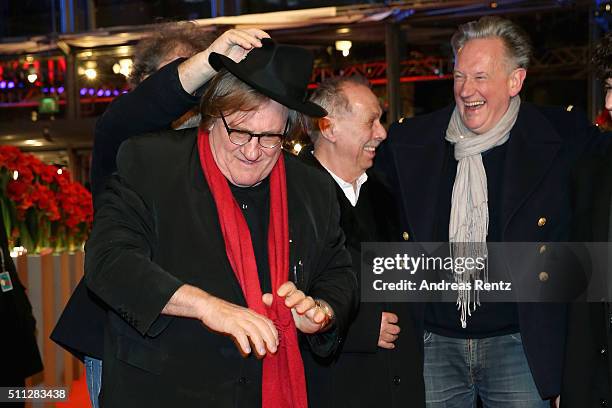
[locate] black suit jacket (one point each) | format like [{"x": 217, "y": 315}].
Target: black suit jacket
[
  {"x": 20, "y": 357},
  {"x": 394, "y": 377},
  {"x": 587, "y": 379},
  {"x": 152, "y": 106},
  {"x": 156, "y": 229},
  {"x": 543, "y": 144}
]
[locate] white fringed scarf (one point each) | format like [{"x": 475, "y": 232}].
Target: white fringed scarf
[{"x": 469, "y": 218}]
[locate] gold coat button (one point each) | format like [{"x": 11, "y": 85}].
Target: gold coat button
[
  {"x": 406, "y": 236},
  {"x": 541, "y": 222},
  {"x": 543, "y": 276},
  {"x": 543, "y": 249}
]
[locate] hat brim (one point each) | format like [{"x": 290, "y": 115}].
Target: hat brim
[{"x": 219, "y": 61}]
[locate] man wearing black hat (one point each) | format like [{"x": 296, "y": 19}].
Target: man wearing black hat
[
  {"x": 169, "y": 93},
  {"x": 218, "y": 228}
]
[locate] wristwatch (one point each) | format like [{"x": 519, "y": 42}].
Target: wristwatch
[{"x": 326, "y": 308}]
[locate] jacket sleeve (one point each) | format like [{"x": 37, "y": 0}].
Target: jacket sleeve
[
  {"x": 334, "y": 282},
  {"x": 118, "y": 258},
  {"x": 363, "y": 333},
  {"x": 151, "y": 106}
]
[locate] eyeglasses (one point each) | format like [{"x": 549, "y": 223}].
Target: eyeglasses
[{"x": 242, "y": 137}]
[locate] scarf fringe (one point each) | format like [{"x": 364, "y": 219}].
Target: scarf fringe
[{"x": 469, "y": 219}]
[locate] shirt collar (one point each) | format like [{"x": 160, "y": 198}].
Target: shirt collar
[{"x": 352, "y": 194}]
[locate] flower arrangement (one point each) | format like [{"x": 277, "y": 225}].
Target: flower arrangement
[{"x": 41, "y": 207}]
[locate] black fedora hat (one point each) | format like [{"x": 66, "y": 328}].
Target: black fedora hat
[{"x": 279, "y": 71}]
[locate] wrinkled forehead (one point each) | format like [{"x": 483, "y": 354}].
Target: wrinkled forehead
[
  {"x": 481, "y": 55},
  {"x": 269, "y": 116},
  {"x": 361, "y": 99}
]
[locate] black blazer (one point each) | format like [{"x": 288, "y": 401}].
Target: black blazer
[
  {"x": 152, "y": 106},
  {"x": 155, "y": 229},
  {"x": 543, "y": 144},
  {"x": 20, "y": 357},
  {"x": 587, "y": 379},
  {"x": 394, "y": 377}
]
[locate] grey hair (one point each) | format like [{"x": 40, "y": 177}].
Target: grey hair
[
  {"x": 330, "y": 95},
  {"x": 516, "y": 41}
]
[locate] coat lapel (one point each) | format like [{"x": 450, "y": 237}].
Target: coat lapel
[
  {"x": 296, "y": 209},
  {"x": 422, "y": 160},
  {"x": 532, "y": 146},
  {"x": 207, "y": 218}
]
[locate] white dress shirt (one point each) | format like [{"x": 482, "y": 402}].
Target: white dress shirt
[{"x": 352, "y": 194}]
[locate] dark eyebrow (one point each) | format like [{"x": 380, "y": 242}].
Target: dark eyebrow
[{"x": 279, "y": 132}]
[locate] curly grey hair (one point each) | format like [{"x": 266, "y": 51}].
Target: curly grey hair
[{"x": 167, "y": 39}]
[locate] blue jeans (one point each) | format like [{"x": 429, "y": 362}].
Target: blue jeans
[
  {"x": 458, "y": 371},
  {"x": 93, "y": 375}
]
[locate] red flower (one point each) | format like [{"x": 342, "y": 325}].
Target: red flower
[{"x": 61, "y": 206}]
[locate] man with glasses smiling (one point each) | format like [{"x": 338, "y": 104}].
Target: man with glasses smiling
[{"x": 217, "y": 227}]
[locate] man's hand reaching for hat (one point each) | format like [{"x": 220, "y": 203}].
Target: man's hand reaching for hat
[
  {"x": 308, "y": 315},
  {"x": 235, "y": 44}
]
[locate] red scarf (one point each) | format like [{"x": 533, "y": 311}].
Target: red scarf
[{"x": 283, "y": 383}]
